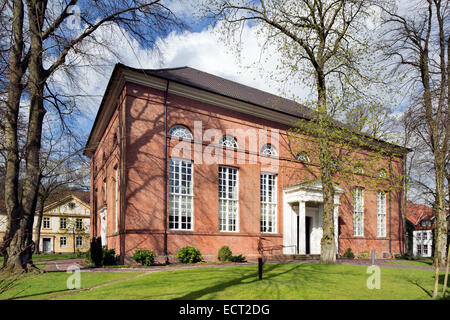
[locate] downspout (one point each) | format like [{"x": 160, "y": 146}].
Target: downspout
[
  {"x": 165, "y": 173},
  {"x": 390, "y": 209}
]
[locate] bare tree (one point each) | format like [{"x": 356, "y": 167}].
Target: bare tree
[
  {"x": 421, "y": 45},
  {"x": 48, "y": 35}
]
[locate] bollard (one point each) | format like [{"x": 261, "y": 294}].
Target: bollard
[
  {"x": 260, "y": 268},
  {"x": 373, "y": 257}
]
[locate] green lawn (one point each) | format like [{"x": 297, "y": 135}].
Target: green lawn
[
  {"x": 287, "y": 281},
  {"x": 52, "y": 284}
]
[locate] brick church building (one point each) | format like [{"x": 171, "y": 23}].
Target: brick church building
[{"x": 182, "y": 157}]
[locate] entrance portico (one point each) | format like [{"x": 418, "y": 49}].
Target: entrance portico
[{"x": 302, "y": 217}]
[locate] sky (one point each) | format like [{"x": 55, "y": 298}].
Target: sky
[{"x": 199, "y": 47}]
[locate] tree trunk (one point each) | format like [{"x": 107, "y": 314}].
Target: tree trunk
[
  {"x": 328, "y": 245},
  {"x": 21, "y": 246}
]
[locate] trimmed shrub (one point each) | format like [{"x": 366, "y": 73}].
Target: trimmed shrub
[
  {"x": 95, "y": 252},
  {"x": 349, "y": 254},
  {"x": 109, "y": 256},
  {"x": 239, "y": 258},
  {"x": 144, "y": 257},
  {"x": 189, "y": 254},
  {"x": 224, "y": 254}
]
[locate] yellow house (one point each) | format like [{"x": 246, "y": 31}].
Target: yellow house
[{"x": 65, "y": 224}]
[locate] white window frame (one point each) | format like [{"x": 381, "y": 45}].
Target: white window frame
[
  {"x": 181, "y": 132},
  {"x": 46, "y": 223},
  {"x": 79, "y": 224},
  {"x": 358, "y": 212},
  {"x": 61, "y": 222},
  {"x": 268, "y": 221},
  {"x": 381, "y": 214},
  {"x": 268, "y": 150},
  {"x": 229, "y": 142},
  {"x": 79, "y": 244},
  {"x": 228, "y": 202},
  {"x": 178, "y": 198},
  {"x": 61, "y": 245}
]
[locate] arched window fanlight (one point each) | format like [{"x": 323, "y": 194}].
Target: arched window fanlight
[
  {"x": 268, "y": 150},
  {"x": 228, "y": 142},
  {"x": 181, "y": 131},
  {"x": 302, "y": 156},
  {"x": 358, "y": 169}
]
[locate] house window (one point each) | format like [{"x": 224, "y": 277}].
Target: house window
[
  {"x": 358, "y": 213},
  {"x": 63, "y": 223},
  {"x": 79, "y": 224},
  {"x": 46, "y": 223},
  {"x": 268, "y": 202},
  {"x": 424, "y": 235},
  {"x": 302, "y": 156},
  {"x": 268, "y": 150},
  {"x": 419, "y": 236},
  {"x": 419, "y": 250},
  {"x": 425, "y": 250},
  {"x": 381, "y": 208},
  {"x": 180, "y": 194},
  {"x": 228, "y": 199},
  {"x": 382, "y": 174},
  {"x": 228, "y": 142},
  {"x": 63, "y": 242},
  {"x": 79, "y": 242},
  {"x": 181, "y": 131},
  {"x": 358, "y": 169}
]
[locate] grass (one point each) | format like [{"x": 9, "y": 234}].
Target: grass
[
  {"x": 53, "y": 284},
  {"x": 294, "y": 281}
]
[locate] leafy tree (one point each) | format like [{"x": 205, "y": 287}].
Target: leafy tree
[{"x": 327, "y": 45}]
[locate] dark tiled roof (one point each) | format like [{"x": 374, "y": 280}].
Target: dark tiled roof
[
  {"x": 209, "y": 82},
  {"x": 58, "y": 195}
]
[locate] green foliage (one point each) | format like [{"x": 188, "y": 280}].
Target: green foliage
[
  {"x": 95, "y": 252},
  {"x": 224, "y": 254},
  {"x": 364, "y": 254},
  {"x": 239, "y": 258},
  {"x": 144, "y": 257},
  {"x": 349, "y": 254},
  {"x": 189, "y": 254},
  {"x": 109, "y": 256}
]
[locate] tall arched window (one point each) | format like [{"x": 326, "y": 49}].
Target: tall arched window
[
  {"x": 228, "y": 142},
  {"x": 268, "y": 150},
  {"x": 180, "y": 131}
]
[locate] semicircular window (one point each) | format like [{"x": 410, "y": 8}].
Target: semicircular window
[
  {"x": 302, "y": 156},
  {"x": 268, "y": 150},
  {"x": 228, "y": 142},
  {"x": 382, "y": 173},
  {"x": 180, "y": 131}
]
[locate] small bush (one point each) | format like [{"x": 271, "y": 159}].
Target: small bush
[
  {"x": 224, "y": 254},
  {"x": 95, "y": 252},
  {"x": 239, "y": 258},
  {"x": 364, "y": 254},
  {"x": 349, "y": 254},
  {"x": 189, "y": 254},
  {"x": 109, "y": 256},
  {"x": 144, "y": 257}
]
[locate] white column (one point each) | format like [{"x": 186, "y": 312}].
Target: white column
[
  {"x": 336, "y": 226},
  {"x": 287, "y": 227},
  {"x": 301, "y": 226}
]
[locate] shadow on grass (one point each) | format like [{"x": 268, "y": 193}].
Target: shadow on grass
[
  {"x": 37, "y": 294},
  {"x": 430, "y": 292},
  {"x": 245, "y": 275}
]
